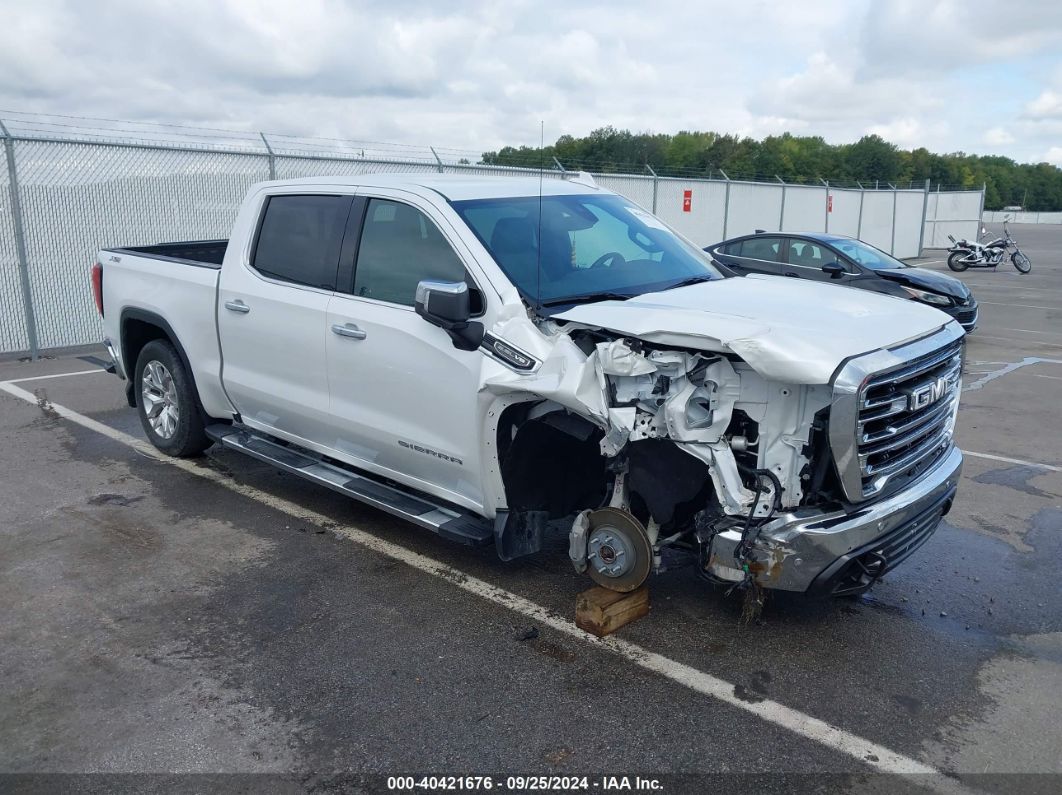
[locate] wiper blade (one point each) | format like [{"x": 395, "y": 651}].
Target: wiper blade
[
  {"x": 589, "y": 298},
  {"x": 689, "y": 281}
]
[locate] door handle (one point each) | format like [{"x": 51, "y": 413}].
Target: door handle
[
  {"x": 237, "y": 306},
  {"x": 349, "y": 330},
  {"x": 794, "y": 275}
]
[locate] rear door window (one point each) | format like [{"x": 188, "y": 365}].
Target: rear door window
[
  {"x": 807, "y": 254},
  {"x": 300, "y": 238},
  {"x": 765, "y": 249}
]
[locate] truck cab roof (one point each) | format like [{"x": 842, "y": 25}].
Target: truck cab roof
[{"x": 453, "y": 187}]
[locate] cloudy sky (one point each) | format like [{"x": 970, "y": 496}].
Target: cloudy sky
[{"x": 968, "y": 75}]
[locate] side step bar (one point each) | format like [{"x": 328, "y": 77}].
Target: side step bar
[{"x": 450, "y": 522}]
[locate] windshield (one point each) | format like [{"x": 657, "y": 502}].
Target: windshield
[
  {"x": 867, "y": 256},
  {"x": 586, "y": 246}
]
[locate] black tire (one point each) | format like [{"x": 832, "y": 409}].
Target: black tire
[
  {"x": 179, "y": 432},
  {"x": 1021, "y": 262},
  {"x": 954, "y": 261}
]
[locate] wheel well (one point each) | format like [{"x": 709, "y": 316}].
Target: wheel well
[
  {"x": 138, "y": 329},
  {"x": 137, "y": 333},
  {"x": 550, "y": 462}
]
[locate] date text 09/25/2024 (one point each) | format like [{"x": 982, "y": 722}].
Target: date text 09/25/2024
[{"x": 524, "y": 783}]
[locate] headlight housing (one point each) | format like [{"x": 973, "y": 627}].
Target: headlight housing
[{"x": 927, "y": 297}]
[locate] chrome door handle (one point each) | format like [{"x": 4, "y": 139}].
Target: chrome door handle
[
  {"x": 349, "y": 330},
  {"x": 237, "y": 306}
]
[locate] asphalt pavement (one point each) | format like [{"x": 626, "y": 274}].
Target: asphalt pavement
[{"x": 219, "y": 617}]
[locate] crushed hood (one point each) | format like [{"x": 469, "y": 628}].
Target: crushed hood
[{"x": 788, "y": 330}]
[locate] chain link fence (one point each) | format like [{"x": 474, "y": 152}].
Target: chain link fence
[{"x": 66, "y": 191}]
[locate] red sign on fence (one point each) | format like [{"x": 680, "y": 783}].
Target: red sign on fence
[
  {"x": 829, "y": 203},
  {"x": 687, "y": 201}
]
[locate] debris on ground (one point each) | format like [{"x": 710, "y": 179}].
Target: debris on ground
[{"x": 526, "y": 633}]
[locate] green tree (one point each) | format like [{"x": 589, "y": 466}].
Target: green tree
[{"x": 794, "y": 158}]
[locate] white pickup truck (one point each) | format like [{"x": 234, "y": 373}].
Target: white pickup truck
[{"x": 493, "y": 358}]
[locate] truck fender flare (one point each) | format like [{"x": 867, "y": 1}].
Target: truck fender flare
[{"x": 133, "y": 313}]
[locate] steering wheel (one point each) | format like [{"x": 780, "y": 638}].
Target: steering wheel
[{"x": 610, "y": 257}]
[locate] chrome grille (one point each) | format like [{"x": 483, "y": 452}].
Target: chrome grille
[
  {"x": 893, "y": 412},
  {"x": 895, "y": 429}
]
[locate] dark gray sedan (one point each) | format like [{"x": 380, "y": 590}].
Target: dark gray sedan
[{"x": 845, "y": 261}]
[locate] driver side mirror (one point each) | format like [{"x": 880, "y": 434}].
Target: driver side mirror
[
  {"x": 834, "y": 270},
  {"x": 448, "y": 305}
]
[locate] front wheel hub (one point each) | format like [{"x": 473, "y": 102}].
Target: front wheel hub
[{"x": 618, "y": 550}]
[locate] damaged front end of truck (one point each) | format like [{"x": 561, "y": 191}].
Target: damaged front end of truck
[{"x": 663, "y": 442}]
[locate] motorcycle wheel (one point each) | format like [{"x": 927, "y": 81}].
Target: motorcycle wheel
[
  {"x": 955, "y": 261},
  {"x": 1021, "y": 262}
]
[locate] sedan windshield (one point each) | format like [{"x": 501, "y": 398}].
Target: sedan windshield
[
  {"x": 582, "y": 247},
  {"x": 867, "y": 256}
]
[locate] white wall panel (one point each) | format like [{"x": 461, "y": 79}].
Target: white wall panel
[
  {"x": 753, "y": 206},
  {"x": 844, "y": 216},
  {"x": 805, "y": 208},
  {"x": 704, "y": 223}
]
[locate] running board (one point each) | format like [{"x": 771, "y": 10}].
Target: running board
[{"x": 449, "y": 522}]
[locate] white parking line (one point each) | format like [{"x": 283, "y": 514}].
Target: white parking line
[
  {"x": 1020, "y": 306},
  {"x": 1053, "y": 377},
  {"x": 986, "y": 285},
  {"x": 981, "y": 336},
  {"x": 865, "y": 751},
  {"x": 55, "y": 375},
  {"x": 1018, "y": 461},
  {"x": 1030, "y": 331}
]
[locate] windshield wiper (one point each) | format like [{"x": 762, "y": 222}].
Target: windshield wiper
[
  {"x": 689, "y": 281},
  {"x": 588, "y": 298}
]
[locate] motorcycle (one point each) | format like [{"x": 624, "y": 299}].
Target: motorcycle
[{"x": 974, "y": 254}]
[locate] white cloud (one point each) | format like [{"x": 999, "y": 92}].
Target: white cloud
[
  {"x": 481, "y": 74},
  {"x": 998, "y": 136},
  {"x": 1054, "y": 155},
  {"x": 1046, "y": 106}
]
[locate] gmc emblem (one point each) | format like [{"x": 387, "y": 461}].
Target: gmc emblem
[{"x": 927, "y": 394}]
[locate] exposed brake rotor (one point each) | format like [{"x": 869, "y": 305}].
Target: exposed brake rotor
[{"x": 618, "y": 550}]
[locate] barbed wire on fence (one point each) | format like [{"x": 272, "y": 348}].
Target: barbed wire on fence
[
  {"x": 72, "y": 185},
  {"x": 102, "y": 130}
]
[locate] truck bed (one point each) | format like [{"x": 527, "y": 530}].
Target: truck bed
[
  {"x": 174, "y": 286},
  {"x": 201, "y": 253}
]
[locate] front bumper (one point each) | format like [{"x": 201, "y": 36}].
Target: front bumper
[
  {"x": 965, "y": 315},
  {"x": 843, "y": 552}
]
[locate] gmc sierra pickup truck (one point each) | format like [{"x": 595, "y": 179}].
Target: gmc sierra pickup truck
[{"x": 491, "y": 358}]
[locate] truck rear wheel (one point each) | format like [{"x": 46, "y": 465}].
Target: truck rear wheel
[{"x": 166, "y": 402}]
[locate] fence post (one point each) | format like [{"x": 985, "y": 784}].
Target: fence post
[
  {"x": 892, "y": 243},
  {"x": 656, "y": 181},
  {"x": 925, "y": 207},
  {"x": 859, "y": 222},
  {"x": 981, "y": 212},
  {"x": 781, "y": 212},
  {"x": 20, "y": 244},
  {"x": 272, "y": 157},
  {"x": 437, "y": 160},
  {"x": 826, "y": 213},
  {"x": 726, "y": 203}
]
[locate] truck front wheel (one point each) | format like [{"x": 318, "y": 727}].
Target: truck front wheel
[{"x": 166, "y": 402}]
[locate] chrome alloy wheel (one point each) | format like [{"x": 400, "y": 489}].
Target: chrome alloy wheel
[{"x": 158, "y": 395}]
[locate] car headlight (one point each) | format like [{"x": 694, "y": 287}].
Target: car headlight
[{"x": 927, "y": 297}]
